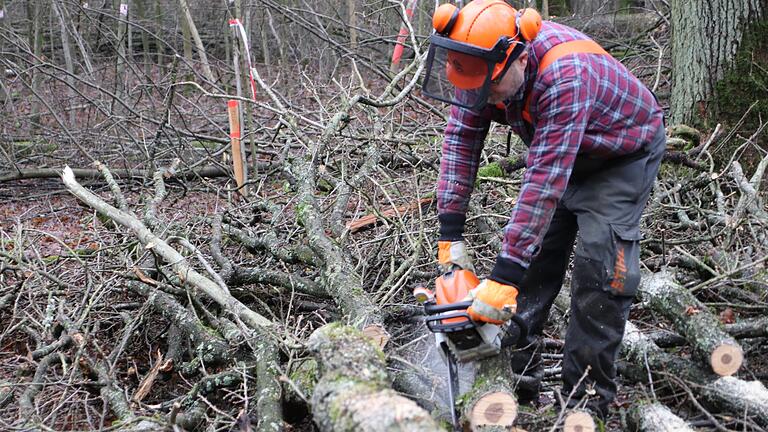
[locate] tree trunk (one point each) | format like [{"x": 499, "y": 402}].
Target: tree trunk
[
  {"x": 579, "y": 421},
  {"x": 34, "y": 10},
  {"x": 59, "y": 10},
  {"x": 591, "y": 7},
  {"x": 710, "y": 343},
  {"x": 158, "y": 29},
  {"x": 705, "y": 38},
  {"x": 198, "y": 42},
  {"x": 141, "y": 9},
  {"x": 655, "y": 417},
  {"x": 353, "y": 393}
]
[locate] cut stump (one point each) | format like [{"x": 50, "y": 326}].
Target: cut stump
[
  {"x": 493, "y": 409},
  {"x": 579, "y": 421}
]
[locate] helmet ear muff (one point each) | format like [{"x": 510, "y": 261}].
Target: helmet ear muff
[
  {"x": 445, "y": 17},
  {"x": 528, "y": 23}
]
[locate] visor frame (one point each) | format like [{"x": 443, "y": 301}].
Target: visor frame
[
  {"x": 497, "y": 53},
  {"x": 492, "y": 56}
]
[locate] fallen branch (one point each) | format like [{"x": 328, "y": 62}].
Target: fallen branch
[
  {"x": 84, "y": 173},
  {"x": 691, "y": 318},
  {"x": 644, "y": 359},
  {"x": 179, "y": 264},
  {"x": 655, "y": 417},
  {"x": 211, "y": 349}
]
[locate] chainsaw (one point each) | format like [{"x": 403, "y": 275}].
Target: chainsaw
[{"x": 460, "y": 339}]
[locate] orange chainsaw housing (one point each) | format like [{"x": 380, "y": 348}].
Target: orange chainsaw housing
[{"x": 454, "y": 287}]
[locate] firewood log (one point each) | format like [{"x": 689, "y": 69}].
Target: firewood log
[
  {"x": 354, "y": 393},
  {"x": 710, "y": 342}
]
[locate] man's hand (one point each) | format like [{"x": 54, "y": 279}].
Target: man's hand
[
  {"x": 454, "y": 253},
  {"x": 493, "y": 302}
]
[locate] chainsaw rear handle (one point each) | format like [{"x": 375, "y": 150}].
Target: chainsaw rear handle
[
  {"x": 443, "y": 318},
  {"x": 522, "y": 339},
  {"x": 434, "y": 308},
  {"x": 437, "y": 312}
]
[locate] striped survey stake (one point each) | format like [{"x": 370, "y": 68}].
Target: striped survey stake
[
  {"x": 398, "y": 52},
  {"x": 244, "y": 37}
]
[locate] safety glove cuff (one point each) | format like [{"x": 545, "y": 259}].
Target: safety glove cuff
[{"x": 452, "y": 254}]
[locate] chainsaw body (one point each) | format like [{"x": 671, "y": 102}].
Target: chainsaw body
[
  {"x": 458, "y": 337},
  {"x": 447, "y": 317}
]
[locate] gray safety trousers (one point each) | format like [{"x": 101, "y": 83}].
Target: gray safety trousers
[{"x": 599, "y": 211}]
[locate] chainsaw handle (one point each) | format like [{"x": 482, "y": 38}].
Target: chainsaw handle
[
  {"x": 432, "y": 309},
  {"x": 522, "y": 339},
  {"x": 435, "y": 309}
]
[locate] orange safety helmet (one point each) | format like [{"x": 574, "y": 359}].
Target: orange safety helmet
[{"x": 486, "y": 36}]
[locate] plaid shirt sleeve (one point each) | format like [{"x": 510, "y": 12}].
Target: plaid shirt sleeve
[
  {"x": 563, "y": 113},
  {"x": 462, "y": 146}
]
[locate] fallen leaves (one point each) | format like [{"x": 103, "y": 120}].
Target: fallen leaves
[
  {"x": 727, "y": 316},
  {"x": 691, "y": 310}
]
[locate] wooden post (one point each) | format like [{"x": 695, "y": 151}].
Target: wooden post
[{"x": 233, "y": 109}]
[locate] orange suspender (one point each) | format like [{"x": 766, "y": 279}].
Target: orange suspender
[{"x": 556, "y": 52}]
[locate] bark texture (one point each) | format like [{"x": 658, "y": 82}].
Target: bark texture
[
  {"x": 706, "y": 36},
  {"x": 353, "y": 393},
  {"x": 655, "y": 417},
  {"x": 591, "y": 7},
  {"x": 490, "y": 404},
  {"x": 709, "y": 340},
  {"x": 728, "y": 393}
]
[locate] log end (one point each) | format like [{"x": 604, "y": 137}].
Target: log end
[
  {"x": 493, "y": 409},
  {"x": 579, "y": 421},
  {"x": 726, "y": 359},
  {"x": 377, "y": 334}
]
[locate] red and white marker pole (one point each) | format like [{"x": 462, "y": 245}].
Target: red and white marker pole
[
  {"x": 401, "y": 36},
  {"x": 244, "y": 37}
]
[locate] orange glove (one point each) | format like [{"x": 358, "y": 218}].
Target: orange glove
[
  {"x": 454, "y": 253},
  {"x": 493, "y": 302}
]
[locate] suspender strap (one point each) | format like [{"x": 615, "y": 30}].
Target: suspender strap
[{"x": 556, "y": 52}]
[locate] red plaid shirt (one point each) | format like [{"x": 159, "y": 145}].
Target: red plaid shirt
[{"x": 582, "y": 104}]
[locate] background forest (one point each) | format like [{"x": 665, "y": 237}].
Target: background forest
[{"x": 152, "y": 286}]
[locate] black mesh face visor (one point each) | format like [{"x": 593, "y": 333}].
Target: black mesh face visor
[{"x": 461, "y": 74}]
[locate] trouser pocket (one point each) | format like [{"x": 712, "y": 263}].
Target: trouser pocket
[
  {"x": 623, "y": 268},
  {"x": 614, "y": 249}
]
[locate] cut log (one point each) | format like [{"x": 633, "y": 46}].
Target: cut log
[
  {"x": 655, "y": 417},
  {"x": 491, "y": 404},
  {"x": 493, "y": 409},
  {"x": 377, "y": 334},
  {"x": 579, "y": 421},
  {"x": 742, "y": 398},
  {"x": 742, "y": 329},
  {"x": 709, "y": 340},
  {"x": 354, "y": 393}
]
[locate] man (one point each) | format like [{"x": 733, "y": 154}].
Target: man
[{"x": 595, "y": 140}]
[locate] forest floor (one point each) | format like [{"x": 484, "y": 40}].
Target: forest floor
[{"x": 56, "y": 222}]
